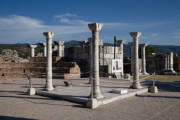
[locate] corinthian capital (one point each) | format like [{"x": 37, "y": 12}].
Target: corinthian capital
[
  {"x": 143, "y": 45},
  {"x": 95, "y": 27},
  {"x": 49, "y": 35},
  {"x": 135, "y": 34}
]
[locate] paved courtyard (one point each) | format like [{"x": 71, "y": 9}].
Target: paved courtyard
[{"x": 15, "y": 104}]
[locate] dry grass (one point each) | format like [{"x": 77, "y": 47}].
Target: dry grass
[{"x": 162, "y": 78}]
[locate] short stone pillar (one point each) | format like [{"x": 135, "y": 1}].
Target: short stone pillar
[
  {"x": 32, "y": 50},
  {"x": 44, "y": 50},
  {"x": 132, "y": 56},
  {"x": 95, "y": 28},
  {"x": 143, "y": 56},
  {"x": 136, "y": 84},
  {"x": 120, "y": 44},
  {"x": 49, "y": 36},
  {"x": 60, "y": 48}
]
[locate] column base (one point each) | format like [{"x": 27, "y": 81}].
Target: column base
[
  {"x": 49, "y": 88},
  {"x": 89, "y": 82},
  {"x": 98, "y": 96},
  {"x": 92, "y": 103},
  {"x": 136, "y": 86},
  {"x": 153, "y": 89},
  {"x": 31, "y": 91},
  {"x": 145, "y": 73},
  {"x": 169, "y": 72}
]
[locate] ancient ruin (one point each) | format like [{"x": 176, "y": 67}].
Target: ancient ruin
[
  {"x": 92, "y": 59},
  {"x": 136, "y": 83}
]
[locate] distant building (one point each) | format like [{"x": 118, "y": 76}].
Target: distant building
[
  {"x": 160, "y": 63},
  {"x": 81, "y": 54}
]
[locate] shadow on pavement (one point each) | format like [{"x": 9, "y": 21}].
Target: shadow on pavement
[
  {"x": 158, "y": 96},
  {"x": 14, "y": 118},
  {"x": 165, "y": 86}
]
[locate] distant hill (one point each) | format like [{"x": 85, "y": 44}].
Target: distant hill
[
  {"x": 159, "y": 48},
  {"x": 72, "y": 43},
  {"x": 167, "y": 49},
  {"x": 24, "y": 50}
]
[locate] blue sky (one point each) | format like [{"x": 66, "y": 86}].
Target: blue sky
[{"x": 23, "y": 21}]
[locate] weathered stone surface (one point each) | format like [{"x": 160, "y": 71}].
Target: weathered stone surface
[
  {"x": 143, "y": 56},
  {"x": 49, "y": 36},
  {"x": 136, "y": 84},
  {"x": 8, "y": 56},
  {"x": 153, "y": 89},
  {"x": 95, "y": 28},
  {"x": 9, "y": 53},
  {"x": 31, "y": 91}
]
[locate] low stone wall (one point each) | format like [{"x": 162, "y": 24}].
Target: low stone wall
[{"x": 37, "y": 66}]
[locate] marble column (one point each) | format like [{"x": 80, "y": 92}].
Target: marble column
[
  {"x": 60, "y": 48},
  {"x": 44, "y": 50},
  {"x": 143, "y": 56},
  {"x": 32, "y": 50},
  {"x": 91, "y": 60},
  {"x": 166, "y": 62},
  {"x": 132, "y": 56},
  {"x": 95, "y": 28},
  {"x": 121, "y": 43},
  {"x": 171, "y": 62},
  {"x": 136, "y": 84},
  {"x": 49, "y": 36}
]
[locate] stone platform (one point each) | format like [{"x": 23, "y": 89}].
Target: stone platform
[{"x": 79, "y": 93}]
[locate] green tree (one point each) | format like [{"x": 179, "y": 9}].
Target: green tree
[{"x": 149, "y": 50}]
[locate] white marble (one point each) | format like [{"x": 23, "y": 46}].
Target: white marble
[
  {"x": 49, "y": 84},
  {"x": 132, "y": 56},
  {"x": 60, "y": 48},
  {"x": 136, "y": 84},
  {"x": 32, "y": 50},
  {"x": 143, "y": 56},
  {"x": 95, "y": 28},
  {"x": 44, "y": 49}
]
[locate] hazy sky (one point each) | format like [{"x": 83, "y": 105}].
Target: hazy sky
[{"x": 23, "y": 21}]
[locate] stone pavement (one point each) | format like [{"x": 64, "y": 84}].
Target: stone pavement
[
  {"x": 15, "y": 104},
  {"x": 79, "y": 93}
]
